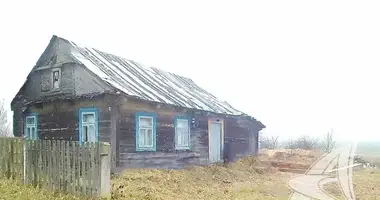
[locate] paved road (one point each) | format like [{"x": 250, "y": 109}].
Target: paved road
[{"x": 310, "y": 186}]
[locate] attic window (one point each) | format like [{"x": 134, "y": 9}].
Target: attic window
[{"x": 56, "y": 78}]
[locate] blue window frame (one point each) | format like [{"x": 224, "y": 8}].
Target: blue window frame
[
  {"x": 182, "y": 132},
  {"x": 31, "y": 131},
  {"x": 88, "y": 125},
  {"x": 145, "y": 131}
]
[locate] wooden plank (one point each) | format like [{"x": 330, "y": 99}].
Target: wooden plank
[
  {"x": 59, "y": 169},
  {"x": 1, "y": 157},
  {"x": 114, "y": 138},
  {"x": 54, "y": 165},
  {"x": 84, "y": 167},
  {"x": 59, "y": 165},
  {"x": 93, "y": 169},
  {"x": 97, "y": 168},
  {"x": 10, "y": 161},
  {"x": 64, "y": 167},
  {"x": 50, "y": 164},
  {"x": 74, "y": 167},
  {"x": 34, "y": 162},
  {"x": 69, "y": 170},
  {"x": 19, "y": 156},
  {"x": 44, "y": 164},
  {"x": 4, "y": 156},
  {"x": 78, "y": 167},
  {"x": 88, "y": 169},
  {"x": 28, "y": 161},
  {"x": 41, "y": 164},
  {"x": 8, "y": 167},
  {"x": 23, "y": 163}
]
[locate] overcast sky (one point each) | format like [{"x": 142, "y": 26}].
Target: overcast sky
[{"x": 300, "y": 67}]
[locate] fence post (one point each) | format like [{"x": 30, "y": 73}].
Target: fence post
[{"x": 105, "y": 170}]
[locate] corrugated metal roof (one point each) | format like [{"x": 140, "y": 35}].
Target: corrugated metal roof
[{"x": 149, "y": 83}]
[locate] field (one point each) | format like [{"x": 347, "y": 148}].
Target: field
[{"x": 262, "y": 177}]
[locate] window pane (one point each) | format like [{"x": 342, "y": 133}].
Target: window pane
[
  {"x": 179, "y": 137},
  {"x": 56, "y": 79},
  {"x": 149, "y": 141},
  {"x": 33, "y": 134},
  {"x": 142, "y": 137},
  {"x": 145, "y": 137},
  {"x": 84, "y": 133},
  {"x": 182, "y": 131},
  {"x": 182, "y": 123},
  {"x": 91, "y": 133},
  {"x": 89, "y": 117},
  {"x": 146, "y": 122},
  {"x": 30, "y": 120},
  {"x": 28, "y": 133}
]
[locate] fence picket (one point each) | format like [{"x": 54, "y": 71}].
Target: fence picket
[
  {"x": 83, "y": 167},
  {"x": 91, "y": 172},
  {"x": 77, "y": 158},
  {"x": 59, "y": 165},
  {"x": 20, "y": 164},
  {"x": 49, "y": 164},
  {"x": 1, "y": 157},
  {"x": 34, "y": 164},
  {"x": 88, "y": 169},
  {"x": 68, "y": 167}
]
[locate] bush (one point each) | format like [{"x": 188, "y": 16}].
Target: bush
[{"x": 269, "y": 142}]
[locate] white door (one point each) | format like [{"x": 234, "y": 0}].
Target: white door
[{"x": 215, "y": 142}]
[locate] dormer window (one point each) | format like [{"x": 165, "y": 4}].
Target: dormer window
[{"x": 56, "y": 78}]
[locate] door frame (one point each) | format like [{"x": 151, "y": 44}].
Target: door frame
[{"x": 221, "y": 122}]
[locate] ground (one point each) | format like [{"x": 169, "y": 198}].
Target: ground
[{"x": 262, "y": 177}]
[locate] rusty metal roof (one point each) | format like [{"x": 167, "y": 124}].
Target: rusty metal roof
[{"x": 149, "y": 83}]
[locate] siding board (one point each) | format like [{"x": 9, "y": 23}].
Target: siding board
[{"x": 59, "y": 120}]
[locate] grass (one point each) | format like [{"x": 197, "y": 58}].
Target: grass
[
  {"x": 366, "y": 185},
  {"x": 240, "y": 180},
  {"x": 10, "y": 190}
]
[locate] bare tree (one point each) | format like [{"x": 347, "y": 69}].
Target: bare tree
[
  {"x": 269, "y": 142},
  {"x": 291, "y": 144},
  {"x": 304, "y": 142},
  {"x": 4, "y": 124},
  {"x": 328, "y": 142}
]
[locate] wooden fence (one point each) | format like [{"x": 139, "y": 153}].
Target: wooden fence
[{"x": 67, "y": 166}]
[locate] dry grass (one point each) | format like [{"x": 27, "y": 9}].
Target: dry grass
[
  {"x": 10, "y": 190},
  {"x": 240, "y": 180},
  {"x": 366, "y": 185}
]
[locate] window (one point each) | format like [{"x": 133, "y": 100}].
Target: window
[
  {"x": 88, "y": 125},
  {"x": 182, "y": 133},
  {"x": 145, "y": 132},
  {"x": 56, "y": 78},
  {"x": 31, "y": 127}
]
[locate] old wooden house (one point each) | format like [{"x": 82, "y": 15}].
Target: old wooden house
[{"x": 151, "y": 117}]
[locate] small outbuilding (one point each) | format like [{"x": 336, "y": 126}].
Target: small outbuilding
[{"x": 151, "y": 118}]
